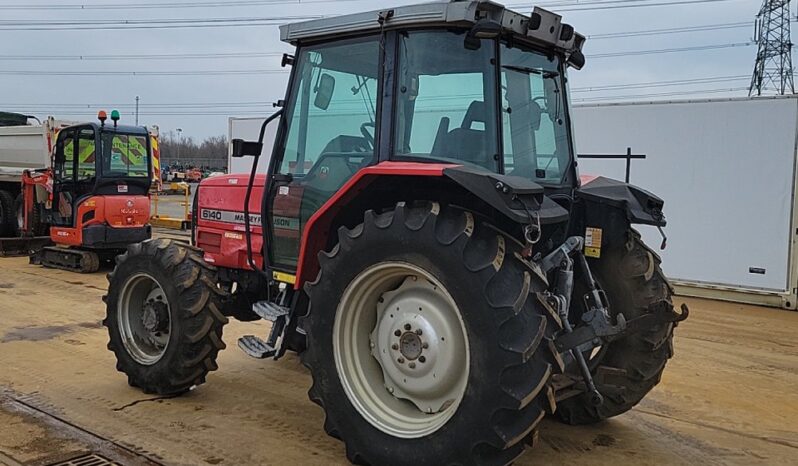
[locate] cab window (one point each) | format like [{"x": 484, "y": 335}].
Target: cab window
[{"x": 86, "y": 155}]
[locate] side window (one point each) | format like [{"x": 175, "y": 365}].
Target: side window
[
  {"x": 86, "y": 153},
  {"x": 334, "y": 107},
  {"x": 446, "y": 100},
  {"x": 65, "y": 155},
  {"x": 535, "y": 137}
]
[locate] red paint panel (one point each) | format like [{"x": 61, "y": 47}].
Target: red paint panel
[
  {"x": 316, "y": 231},
  {"x": 585, "y": 179},
  {"x": 222, "y": 241}
]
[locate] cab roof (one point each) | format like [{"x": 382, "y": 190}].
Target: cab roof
[
  {"x": 542, "y": 27},
  {"x": 109, "y": 128}
]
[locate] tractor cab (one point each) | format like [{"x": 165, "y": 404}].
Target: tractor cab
[
  {"x": 474, "y": 89},
  {"x": 100, "y": 180}
]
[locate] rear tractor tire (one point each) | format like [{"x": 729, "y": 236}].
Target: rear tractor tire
[
  {"x": 163, "y": 316},
  {"x": 426, "y": 342},
  {"x": 626, "y": 369}
]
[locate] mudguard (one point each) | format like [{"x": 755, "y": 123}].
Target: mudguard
[{"x": 640, "y": 206}]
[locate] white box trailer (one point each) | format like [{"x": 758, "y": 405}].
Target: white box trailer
[
  {"x": 726, "y": 169},
  {"x": 26, "y": 147}
]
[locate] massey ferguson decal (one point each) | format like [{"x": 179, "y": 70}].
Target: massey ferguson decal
[{"x": 227, "y": 216}]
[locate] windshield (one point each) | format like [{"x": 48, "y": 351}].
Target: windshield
[
  {"x": 125, "y": 155},
  {"x": 534, "y": 129}
]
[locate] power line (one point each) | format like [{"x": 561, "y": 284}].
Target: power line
[
  {"x": 670, "y": 50},
  {"x": 280, "y": 71},
  {"x": 177, "y": 23},
  {"x": 655, "y": 84},
  {"x": 599, "y": 4},
  {"x": 677, "y": 30},
  {"x": 660, "y": 94},
  {"x": 170, "y": 56},
  {"x": 139, "y": 73},
  {"x": 619, "y": 4},
  {"x": 164, "y": 5}
]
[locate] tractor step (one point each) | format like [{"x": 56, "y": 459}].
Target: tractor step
[
  {"x": 270, "y": 311},
  {"x": 255, "y": 347},
  {"x": 74, "y": 260}
]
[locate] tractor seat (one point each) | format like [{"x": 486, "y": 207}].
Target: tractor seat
[{"x": 466, "y": 143}]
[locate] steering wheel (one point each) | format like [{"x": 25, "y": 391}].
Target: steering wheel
[{"x": 365, "y": 132}]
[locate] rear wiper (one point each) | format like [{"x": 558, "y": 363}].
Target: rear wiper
[{"x": 525, "y": 69}]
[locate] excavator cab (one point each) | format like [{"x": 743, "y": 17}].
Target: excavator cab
[{"x": 100, "y": 182}]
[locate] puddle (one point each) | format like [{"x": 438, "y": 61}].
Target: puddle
[{"x": 44, "y": 333}]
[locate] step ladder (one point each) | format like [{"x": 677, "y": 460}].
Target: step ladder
[{"x": 278, "y": 316}]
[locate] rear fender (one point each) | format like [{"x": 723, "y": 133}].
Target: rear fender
[
  {"x": 503, "y": 199},
  {"x": 317, "y": 231},
  {"x": 608, "y": 208}
]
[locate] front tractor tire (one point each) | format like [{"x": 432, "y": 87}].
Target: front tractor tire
[
  {"x": 163, "y": 316},
  {"x": 426, "y": 343},
  {"x": 626, "y": 370}
]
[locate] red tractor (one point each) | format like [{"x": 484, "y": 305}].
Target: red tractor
[
  {"x": 94, "y": 200},
  {"x": 422, "y": 239}
]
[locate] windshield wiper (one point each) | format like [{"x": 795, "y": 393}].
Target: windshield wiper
[{"x": 525, "y": 69}]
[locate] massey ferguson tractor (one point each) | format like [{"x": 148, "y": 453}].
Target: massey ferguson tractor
[{"x": 422, "y": 239}]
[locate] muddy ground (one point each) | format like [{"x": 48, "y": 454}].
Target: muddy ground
[{"x": 728, "y": 397}]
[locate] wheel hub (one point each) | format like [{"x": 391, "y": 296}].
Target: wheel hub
[
  {"x": 155, "y": 316},
  {"x": 410, "y": 345},
  {"x": 415, "y": 328},
  {"x": 144, "y": 319}
]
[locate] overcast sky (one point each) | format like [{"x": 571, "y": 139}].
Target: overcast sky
[{"x": 184, "y": 101}]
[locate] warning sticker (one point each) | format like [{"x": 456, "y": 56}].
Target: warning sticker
[{"x": 593, "y": 242}]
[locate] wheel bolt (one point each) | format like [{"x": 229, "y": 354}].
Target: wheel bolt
[
  {"x": 412, "y": 365},
  {"x": 401, "y": 360},
  {"x": 418, "y": 331},
  {"x": 390, "y": 389},
  {"x": 408, "y": 327},
  {"x": 422, "y": 359},
  {"x": 398, "y": 333},
  {"x": 425, "y": 345},
  {"x": 394, "y": 347}
]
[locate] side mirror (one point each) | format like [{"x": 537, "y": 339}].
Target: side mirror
[
  {"x": 242, "y": 148},
  {"x": 324, "y": 91}
]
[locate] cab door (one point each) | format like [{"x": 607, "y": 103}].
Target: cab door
[
  {"x": 327, "y": 136},
  {"x": 64, "y": 170},
  {"x": 74, "y": 173}
]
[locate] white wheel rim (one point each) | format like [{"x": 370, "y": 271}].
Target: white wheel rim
[
  {"x": 144, "y": 319},
  {"x": 401, "y": 349}
]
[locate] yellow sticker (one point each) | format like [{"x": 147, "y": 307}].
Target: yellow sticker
[
  {"x": 593, "y": 242},
  {"x": 284, "y": 277},
  {"x": 231, "y": 235}
]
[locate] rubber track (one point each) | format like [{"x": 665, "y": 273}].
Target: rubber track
[
  {"x": 197, "y": 306},
  {"x": 521, "y": 393}
]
